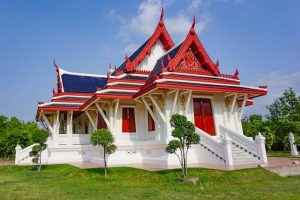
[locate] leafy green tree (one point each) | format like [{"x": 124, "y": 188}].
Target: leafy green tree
[
  {"x": 10, "y": 141},
  {"x": 105, "y": 139},
  {"x": 40, "y": 138},
  {"x": 13, "y": 132},
  {"x": 269, "y": 136},
  {"x": 286, "y": 107},
  {"x": 12, "y": 135},
  {"x": 252, "y": 125},
  {"x": 3, "y": 121},
  {"x": 185, "y": 136}
]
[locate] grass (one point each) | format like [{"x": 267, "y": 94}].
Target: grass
[
  {"x": 68, "y": 182},
  {"x": 279, "y": 153},
  {"x": 4, "y": 160}
]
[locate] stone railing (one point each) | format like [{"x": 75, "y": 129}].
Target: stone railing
[
  {"x": 22, "y": 155},
  {"x": 213, "y": 144},
  {"x": 256, "y": 147}
]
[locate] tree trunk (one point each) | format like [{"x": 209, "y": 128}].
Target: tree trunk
[
  {"x": 186, "y": 169},
  {"x": 184, "y": 164},
  {"x": 40, "y": 162},
  {"x": 104, "y": 155}
]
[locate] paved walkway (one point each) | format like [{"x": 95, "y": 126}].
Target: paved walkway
[
  {"x": 5, "y": 163},
  {"x": 283, "y": 166}
]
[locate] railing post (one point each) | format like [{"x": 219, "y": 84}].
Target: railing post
[
  {"x": 228, "y": 150},
  {"x": 17, "y": 157},
  {"x": 260, "y": 141}
]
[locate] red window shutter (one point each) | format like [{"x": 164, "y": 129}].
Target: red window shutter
[
  {"x": 128, "y": 120},
  {"x": 151, "y": 123},
  {"x": 125, "y": 127},
  {"x": 101, "y": 122}
]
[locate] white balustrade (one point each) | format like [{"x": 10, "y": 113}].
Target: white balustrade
[
  {"x": 22, "y": 155},
  {"x": 214, "y": 144},
  {"x": 256, "y": 147}
]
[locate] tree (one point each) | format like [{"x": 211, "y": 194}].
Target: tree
[
  {"x": 269, "y": 136},
  {"x": 184, "y": 132},
  {"x": 286, "y": 107},
  {"x": 105, "y": 139},
  {"x": 40, "y": 138},
  {"x": 252, "y": 125}
]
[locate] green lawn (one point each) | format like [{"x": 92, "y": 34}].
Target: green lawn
[{"x": 68, "y": 182}]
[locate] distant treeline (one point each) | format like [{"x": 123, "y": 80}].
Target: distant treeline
[
  {"x": 283, "y": 117},
  {"x": 13, "y": 132}
]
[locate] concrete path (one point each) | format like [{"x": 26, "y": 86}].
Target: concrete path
[
  {"x": 283, "y": 166},
  {"x": 6, "y": 163}
]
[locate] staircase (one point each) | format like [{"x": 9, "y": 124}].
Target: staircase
[
  {"x": 22, "y": 155},
  {"x": 214, "y": 146},
  {"x": 242, "y": 156},
  {"x": 233, "y": 148}
]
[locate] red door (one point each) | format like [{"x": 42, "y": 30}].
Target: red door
[
  {"x": 203, "y": 116},
  {"x": 128, "y": 120}
]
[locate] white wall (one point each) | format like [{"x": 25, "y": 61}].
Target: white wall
[{"x": 156, "y": 52}]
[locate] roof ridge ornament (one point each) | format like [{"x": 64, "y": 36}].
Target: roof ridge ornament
[
  {"x": 59, "y": 84},
  {"x": 192, "y": 30},
  {"x": 217, "y": 67},
  {"x": 161, "y": 20},
  {"x": 236, "y": 74}
]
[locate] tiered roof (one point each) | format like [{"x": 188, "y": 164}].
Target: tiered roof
[{"x": 186, "y": 66}]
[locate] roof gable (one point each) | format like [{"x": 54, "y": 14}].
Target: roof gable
[
  {"x": 160, "y": 34},
  {"x": 193, "y": 45}
]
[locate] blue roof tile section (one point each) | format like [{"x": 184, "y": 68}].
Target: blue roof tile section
[
  {"x": 82, "y": 84},
  {"x": 132, "y": 56},
  {"x": 158, "y": 66},
  {"x": 129, "y": 76}
]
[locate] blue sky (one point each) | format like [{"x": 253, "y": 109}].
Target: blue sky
[{"x": 259, "y": 37}]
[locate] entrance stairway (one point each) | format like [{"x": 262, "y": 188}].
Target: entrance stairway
[
  {"x": 242, "y": 156},
  {"x": 233, "y": 148}
]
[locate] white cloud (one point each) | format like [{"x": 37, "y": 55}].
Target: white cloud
[
  {"x": 148, "y": 13},
  {"x": 180, "y": 24},
  {"x": 194, "y": 5},
  {"x": 144, "y": 22},
  {"x": 277, "y": 82}
]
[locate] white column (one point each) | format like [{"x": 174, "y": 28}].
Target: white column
[
  {"x": 228, "y": 150},
  {"x": 69, "y": 127},
  {"x": 260, "y": 141},
  {"x": 56, "y": 128},
  {"x": 294, "y": 151},
  {"x": 111, "y": 119},
  {"x": 50, "y": 128},
  {"x": 167, "y": 126},
  {"x": 18, "y": 149},
  {"x": 91, "y": 120}
]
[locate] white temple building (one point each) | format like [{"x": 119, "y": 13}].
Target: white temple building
[{"x": 136, "y": 100}]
